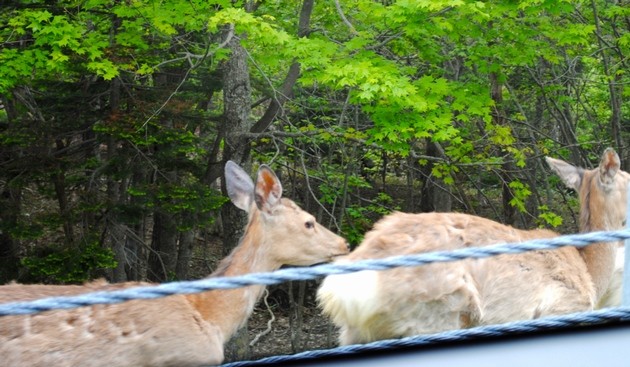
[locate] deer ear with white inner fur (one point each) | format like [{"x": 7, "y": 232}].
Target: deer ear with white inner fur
[
  {"x": 609, "y": 166},
  {"x": 570, "y": 174},
  {"x": 268, "y": 189},
  {"x": 240, "y": 186}
]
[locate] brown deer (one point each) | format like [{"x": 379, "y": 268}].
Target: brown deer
[
  {"x": 372, "y": 305},
  {"x": 180, "y": 330}
]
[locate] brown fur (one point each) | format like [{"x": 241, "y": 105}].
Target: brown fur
[
  {"x": 181, "y": 330},
  {"x": 368, "y": 306}
]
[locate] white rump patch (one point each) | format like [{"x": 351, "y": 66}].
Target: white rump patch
[{"x": 350, "y": 299}]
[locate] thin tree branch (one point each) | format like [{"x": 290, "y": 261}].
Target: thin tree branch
[
  {"x": 343, "y": 18},
  {"x": 281, "y": 96}
]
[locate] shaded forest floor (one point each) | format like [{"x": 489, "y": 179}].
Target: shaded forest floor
[{"x": 315, "y": 332}]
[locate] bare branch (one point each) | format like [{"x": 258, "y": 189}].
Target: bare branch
[
  {"x": 189, "y": 56},
  {"x": 271, "y": 320},
  {"x": 343, "y": 17}
]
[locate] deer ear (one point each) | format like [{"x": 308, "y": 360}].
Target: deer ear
[
  {"x": 239, "y": 186},
  {"x": 570, "y": 174},
  {"x": 609, "y": 166},
  {"x": 268, "y": 189}
]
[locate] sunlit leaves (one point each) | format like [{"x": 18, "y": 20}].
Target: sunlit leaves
[
  {"x": 520, "y": 193},
  {"x": 104, "y": 68},
  {"x": 259, "y": 30},
  {"x": 574, "y": 34},
  {"x": 312, "y": 53},
  {"x": 547, "y": 217},
  {"x": 56, "y": 43},
  {"x": 413, "y": 69}
]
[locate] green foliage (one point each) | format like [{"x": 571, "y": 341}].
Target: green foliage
[
  {"x": 444, "y": 172},
  {"x": 23, "y": 230},
  {"x": 59, "y": 42},
  {"x": 64, "y": 265},
  {"x": 188, "y": 199},
  {"x": 547, "y": 217},
  {"x": 337, "y": 182},
  {"x": 123, "y": 101},
  {"x": 520, "y": 192},
  {"x": 360, "y": 218}
]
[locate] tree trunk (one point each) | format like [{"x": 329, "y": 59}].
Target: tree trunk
[
  {"x": 498, "y": 119},
  {"x": 237, "y": 102},
  {"x": 117, "y": 236},
  {"x": 296, "y": 315},
  {"x": 236, "y": 124},
  {"x": 435, "y": 194},
  {"x": 163, "y": 255},
  {"x": 184, "y": 255},
  {"x": 59, "y": 183},
  {"x": 410, "y": 204},
  {"x": 10, "y": 202},
  {"x": 136, "y": 238},
  {"x": 115, "y": 239},
  {"x": 236, "y": 85}
]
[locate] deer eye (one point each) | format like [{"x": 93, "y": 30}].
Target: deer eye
[{"x": 309, "y": 225}]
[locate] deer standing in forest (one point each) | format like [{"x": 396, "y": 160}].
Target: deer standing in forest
[
  {"x": 371, "y": 305},
  {"x": 180, "y": 330}
]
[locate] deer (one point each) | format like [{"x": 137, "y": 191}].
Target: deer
[
  {"x": 179, "y": 330},
  {"x": 372, "y": 305},
  {"x": 614, "y": 294}
]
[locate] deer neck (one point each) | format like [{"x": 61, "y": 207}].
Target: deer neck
[
  {"x": 599, "y": 257},
  {"x": 229, "y": 309}
]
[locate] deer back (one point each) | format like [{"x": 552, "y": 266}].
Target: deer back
[
  {"x": 372, "y": 305},
  {"x": 162, "y": 332}
]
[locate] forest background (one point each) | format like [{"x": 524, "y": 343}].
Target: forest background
[{"x": 116, "y": 118}]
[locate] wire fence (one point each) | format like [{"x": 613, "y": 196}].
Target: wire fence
[
  {"x": 620, "y": 314},
  {"x": 294, "y": 274},
  {"x": 552, "y": 323}
]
